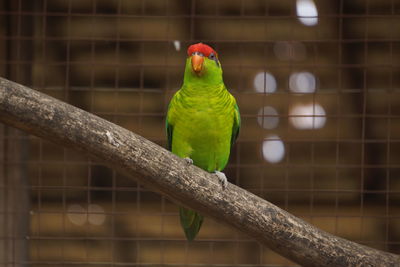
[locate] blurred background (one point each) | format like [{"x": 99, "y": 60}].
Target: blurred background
[{"x": 317, "y": 83}]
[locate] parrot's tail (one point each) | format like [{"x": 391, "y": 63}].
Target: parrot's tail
[{"x": 191, "y": 222}]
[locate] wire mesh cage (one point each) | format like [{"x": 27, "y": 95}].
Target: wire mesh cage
[{"x": 317, "y": 83}]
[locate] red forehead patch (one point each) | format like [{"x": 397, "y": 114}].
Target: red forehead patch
[{"x": 202, "y": 48}]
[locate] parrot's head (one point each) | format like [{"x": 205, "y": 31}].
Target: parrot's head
[{"x": 203, "y": 64}]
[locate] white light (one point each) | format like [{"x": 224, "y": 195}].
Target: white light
[
  {"x": 310, "y": 116},
  {"x": 96, "y": 214},
  {"x": 290, "y": 50},
  {"x": 302, "y": 82},
  {"x": 273, "y": 149},
  {"x": 177, "y": 45},
  {"x": 264, "y": 82},
  {"x": 77, "y": 214},
  {"x": 307, "y": 12},
  {"x": 268, "y": 117}
]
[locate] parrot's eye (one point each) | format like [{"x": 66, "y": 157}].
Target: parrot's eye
[
  {"x": 197, "y": 53},
  {"x": 213, "y": 57}
]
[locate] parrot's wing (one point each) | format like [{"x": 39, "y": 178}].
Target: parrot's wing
[
  {"x": 236, "y": 125},
  {"x": 169, "y": 129}
]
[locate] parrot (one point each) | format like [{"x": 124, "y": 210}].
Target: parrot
[{"x": 202, "y": 122}]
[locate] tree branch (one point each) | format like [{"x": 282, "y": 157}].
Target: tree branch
[{"x": 162, "y": 171}]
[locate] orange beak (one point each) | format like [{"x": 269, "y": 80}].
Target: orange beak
[{"x": 197, "y": 63}]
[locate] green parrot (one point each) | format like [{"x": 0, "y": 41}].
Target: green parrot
[{"x": 203, "y": 122}]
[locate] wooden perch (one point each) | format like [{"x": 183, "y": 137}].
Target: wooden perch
[{"x": 164, "y": 172}]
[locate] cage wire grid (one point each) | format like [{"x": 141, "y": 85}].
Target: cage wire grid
[{"x": 319, "y": 99}]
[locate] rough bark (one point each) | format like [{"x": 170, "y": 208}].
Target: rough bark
[{"x": 164, "y": 172}]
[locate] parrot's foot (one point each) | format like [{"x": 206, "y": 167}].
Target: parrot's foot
[
  {"x": 189, "y": 161},
  {"x": 222, "y": 178}
]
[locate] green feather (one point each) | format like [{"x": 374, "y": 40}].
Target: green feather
[
  {"x": 236, "y": 125},
  {"x": 203, "y": 122},
  {"x": 191, "y": 222},
  {"x": 169, "y": 135}
]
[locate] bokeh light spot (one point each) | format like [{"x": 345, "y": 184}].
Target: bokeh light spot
[
  {"x": 302, "y": 82},
  {"x": 177, "y": 45},
  {"x": 307, "y": 12},
  {"x": 77, "y": 214},
  {"x": 290, "y": 50},
  {"x": 273, "y": 149},
  {"x": 264, "y": 82},
  {"x": 268, "y": 117},
  {"x": 309, "y": 116}
]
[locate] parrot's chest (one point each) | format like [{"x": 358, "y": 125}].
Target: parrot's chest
[
  {"x": 204, "y": 135},
  {"x": 210, "y": 126}
]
